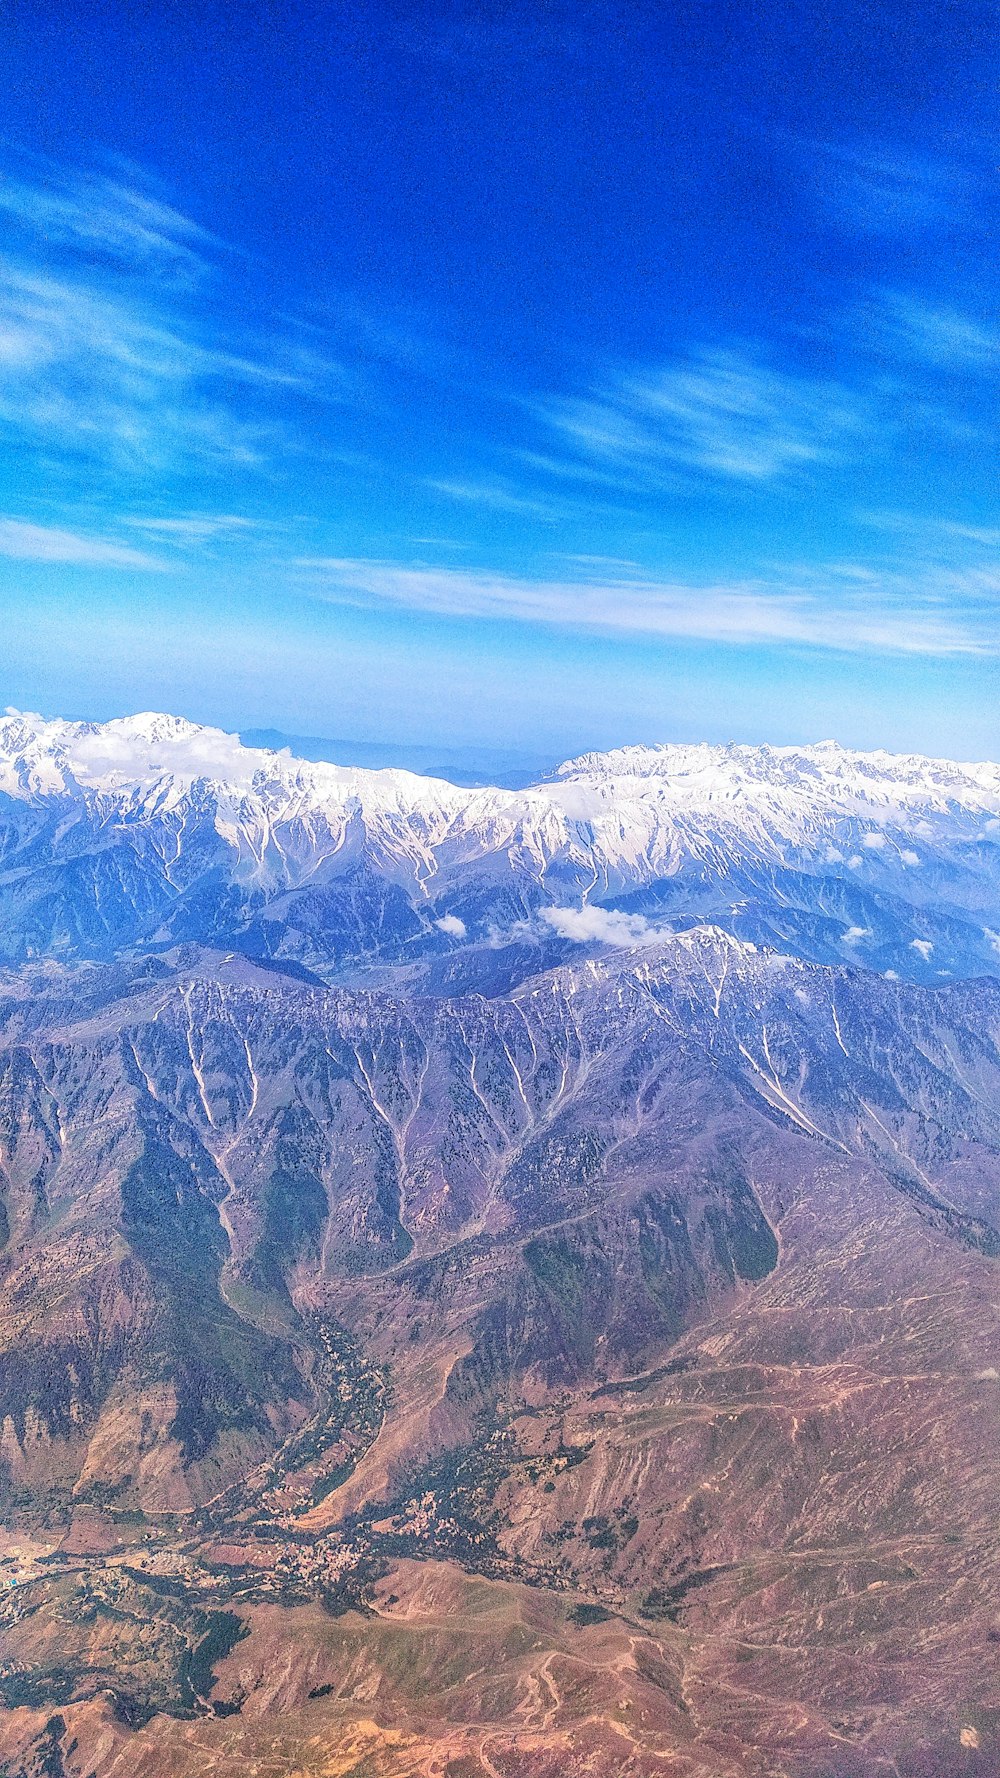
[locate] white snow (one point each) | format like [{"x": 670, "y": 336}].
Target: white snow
[{"x": 618, "y": 818}]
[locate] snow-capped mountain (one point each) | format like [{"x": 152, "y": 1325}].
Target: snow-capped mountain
[
  {"x": 151, "y": 829},
  {"x": 664, "y": 1280}
]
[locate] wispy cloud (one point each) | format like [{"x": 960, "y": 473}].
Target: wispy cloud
[
  {"x": 580, "y": 469},
  {"x": 106, "y": 357},
  {"x": 99, "y": 376},
  {"x": 43, "y": 543},
  {"x": 130, "y": 372},
  {"x": 935, "y": 534},
  {"x": 192, "y": 528},
  {"x": 885, "y": 188},
  {"x": 600, "y": 564},
  {"x": 934, "y": 334},
  {"x": 722, "y": 414},
  {"x": 844, "y": 607},
  {"x": 120, "y": 222},
  {"x": 496, "y": 496}
]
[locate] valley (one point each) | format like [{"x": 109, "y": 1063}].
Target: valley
[{"x": 598, "y": 1373}]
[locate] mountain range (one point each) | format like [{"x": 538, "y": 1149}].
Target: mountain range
[
  {"x": 149, "y": 831},
  {"x": 497, "y": 1281}
]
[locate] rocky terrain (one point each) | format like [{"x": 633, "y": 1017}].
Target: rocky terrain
[
  {"x": 563, "y": 1346},
  {"x": 138, "y": 834}
]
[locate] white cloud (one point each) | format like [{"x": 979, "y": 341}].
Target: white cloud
[
  {"x": 874, "y": 841},
  {"x": 498, "y": 497},
  {"x": 603, "y": 564},
  {"x": 103, "y": 354},
  {"x": 605, "y": 926},
  {"x": 452, "y": 925},
  {"x": 120, "y": 221},
  {"x": 42, "y": 543},
  {"x": 911, "y": 859},
  {"x": 939, "y": 336},
  {"x": 854, "y": 934},
  {"x": 101, "y": 375},
  {"x": 718, "y": 413},
  {"x": 142, "y": 749},
  {"x": 923, "y": 945},
  {"x": 884, "y": 189},
  {"x": 855, "y": 861},
  {"x": 191, "y": 528},
  {"x": 815, "y": 615}
]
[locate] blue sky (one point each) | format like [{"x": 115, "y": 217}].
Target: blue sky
[{"x": 542, "y": 375}]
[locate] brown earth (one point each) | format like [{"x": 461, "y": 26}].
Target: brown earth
[{"x": 667, "y": 1440}]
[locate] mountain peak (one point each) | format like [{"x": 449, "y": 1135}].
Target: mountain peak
[{"x": 875, "y": 859}]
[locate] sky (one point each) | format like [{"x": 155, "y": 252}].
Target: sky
[{"x": 535, "y": 376}]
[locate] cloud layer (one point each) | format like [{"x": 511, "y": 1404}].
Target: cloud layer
[
  {"x": 815, "y": 479},
  {"x": 45, "y": 543},
  {"x": 720, "y": 413},
  {"x": 832, "y": 611}
]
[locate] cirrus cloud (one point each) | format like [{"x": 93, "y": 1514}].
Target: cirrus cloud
[
  {"x": 45, "y": 543},
  {"x": 836, "y": 611},
  {"x": 716, "y": 412}
]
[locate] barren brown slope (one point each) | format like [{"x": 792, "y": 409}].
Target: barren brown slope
[{"x": 658, "y": 1300}]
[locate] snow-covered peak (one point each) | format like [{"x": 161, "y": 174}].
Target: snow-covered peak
[
  {"x": 825, "y": 770},
  {"x": 601, "y": 824},
  {"x": 168, "y": 829},
  {"x": 138, "y": 752},
  {"x": 132, "y": 755}
]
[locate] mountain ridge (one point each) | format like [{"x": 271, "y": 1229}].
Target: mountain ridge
[
  {"x": 577, "y": 1209},
  {"x": 661, "y": 1288},
  {"x": 148, "y": 831},
  {"x": 21, "y": 732}
]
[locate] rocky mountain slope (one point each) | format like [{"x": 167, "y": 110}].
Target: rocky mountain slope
[
  {"x": 150, "y": 830},
  {"x": 664, "y": 1285},
  {"x": 496, "y": 1282}
]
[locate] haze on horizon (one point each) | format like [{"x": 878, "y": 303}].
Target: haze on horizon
[{"x": 546, "y": 380}]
